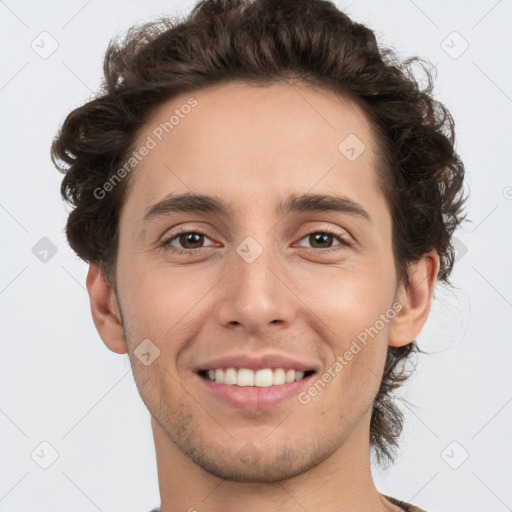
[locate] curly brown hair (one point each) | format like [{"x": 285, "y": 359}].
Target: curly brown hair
[{"x": 259, "y": 42}]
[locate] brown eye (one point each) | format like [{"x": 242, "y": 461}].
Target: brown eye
[
  {"x": 321, "y": 240},
  {"x": 188, "y": 241},
  {"x": 191, "y": 240},
  {"x": 324, "y": 240}
]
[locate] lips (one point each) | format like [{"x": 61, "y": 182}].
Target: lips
[{"x": 255, "y": 381}]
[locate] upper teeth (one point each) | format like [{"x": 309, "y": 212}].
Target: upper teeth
[{"x": 261, "y": 378}]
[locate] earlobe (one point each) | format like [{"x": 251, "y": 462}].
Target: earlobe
[
  {"x": 104, "y": 309},
  {"x": 415, "y": 299}
]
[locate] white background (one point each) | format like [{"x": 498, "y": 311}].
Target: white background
[{"x": 60, "y": 384}]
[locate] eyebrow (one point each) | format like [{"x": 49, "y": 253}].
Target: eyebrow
[{"x": 190, "y": 202}]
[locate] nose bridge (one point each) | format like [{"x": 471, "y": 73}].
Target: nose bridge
[{"x": 256, "y": 297}]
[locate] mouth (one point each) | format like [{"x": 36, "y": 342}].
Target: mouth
[
  {"x": 253, "y": 389},
  {"x": 260, "y": 378},
  {"x": 254, "y": 381}
]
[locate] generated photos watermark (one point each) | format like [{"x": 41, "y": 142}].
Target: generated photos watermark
[
  {"x": 151, "y": 142},
  {"x": 306, "y": 396}
]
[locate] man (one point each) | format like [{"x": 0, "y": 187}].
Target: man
[{"x": 266, "y": 200}]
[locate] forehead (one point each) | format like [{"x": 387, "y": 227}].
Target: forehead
[{"x": 252, "y": 143}]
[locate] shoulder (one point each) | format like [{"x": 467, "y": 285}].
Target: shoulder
[{"x": 408, "y": 507}]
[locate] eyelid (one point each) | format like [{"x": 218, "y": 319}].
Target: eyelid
[{"x": 335, "y": 230}]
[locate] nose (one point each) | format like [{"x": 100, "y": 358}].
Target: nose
[{"x": 257, "y": 295}]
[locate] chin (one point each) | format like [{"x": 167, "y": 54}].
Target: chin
[{"x": 251, "y": 465}]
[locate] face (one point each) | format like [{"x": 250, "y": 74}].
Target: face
[{"x": 258, "y": 278}]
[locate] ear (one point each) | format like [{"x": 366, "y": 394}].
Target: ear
[
  {"x": 105, "y": 310},
  {"x": 416, "y": 299}
]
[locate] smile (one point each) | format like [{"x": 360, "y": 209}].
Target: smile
[{"x": 262, "y": 378}]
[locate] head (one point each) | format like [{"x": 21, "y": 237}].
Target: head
[{"x": 252, "y": 103}]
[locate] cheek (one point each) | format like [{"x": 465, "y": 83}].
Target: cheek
[
  {"x": 348, "y": 299},
  {"x": 348, "y": 385},
  {"x": 353, "y": 312},
  {"x": 163, "y": 303}
]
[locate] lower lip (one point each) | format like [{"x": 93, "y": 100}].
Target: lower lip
[{"x": 253, "y": 398}]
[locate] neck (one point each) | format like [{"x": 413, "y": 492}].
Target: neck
[{"x": 342, "y": 483}]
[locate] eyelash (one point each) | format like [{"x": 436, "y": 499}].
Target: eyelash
[{"x": 167, "y": 243}]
